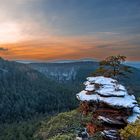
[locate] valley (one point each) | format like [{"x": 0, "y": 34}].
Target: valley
[{"x": 32, "y": 93}]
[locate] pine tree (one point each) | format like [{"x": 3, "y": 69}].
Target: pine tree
[{"x": 112, "y": 66}]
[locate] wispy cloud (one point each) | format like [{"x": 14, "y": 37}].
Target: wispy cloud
[
  {"x": 104, "y": 33},
  {"x": 60, "y": 47},
  {"x": 3, "y": 49}
]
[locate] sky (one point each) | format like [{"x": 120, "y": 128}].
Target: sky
[{"x": 44, "y": 30}]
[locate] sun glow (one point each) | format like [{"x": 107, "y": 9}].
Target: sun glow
[{"x": 9, "y": 33}]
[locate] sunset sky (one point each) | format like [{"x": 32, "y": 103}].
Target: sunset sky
[{"x": 43, "y": 30}]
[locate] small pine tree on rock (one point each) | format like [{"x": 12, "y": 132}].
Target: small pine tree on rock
[{"x": 113, "y": 67}]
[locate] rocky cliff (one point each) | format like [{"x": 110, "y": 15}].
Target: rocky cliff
[{"x": 110, "y": 104}]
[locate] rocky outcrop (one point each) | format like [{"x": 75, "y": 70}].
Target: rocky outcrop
[{"x": 110, "y": 104}]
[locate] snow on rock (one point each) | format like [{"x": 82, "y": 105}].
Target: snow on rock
[
  {"x": 120, "y": 87},
  {"x": 136, "y": 109},
  {"x": 102, "y": 80},
  {"x": 110, "y": 92},
  {"x": 106, "y": 86},
  {"x": 87, "y": 83},
  {"x": 84, "y": 97},
  {"x": 126, "y": 101},
  {"x": 133, "y": 97},
  {"x": 133, "y": 117},
  {"x": 90, "y": 88}
]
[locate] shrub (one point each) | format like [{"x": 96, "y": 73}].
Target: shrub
[
  {"x": 64, "y": 137},
  {"x": 131, "y": 131},
  {"x": 60, "y": 125}
]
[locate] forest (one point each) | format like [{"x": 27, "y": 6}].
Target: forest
[{"x": 30, "y": 99}]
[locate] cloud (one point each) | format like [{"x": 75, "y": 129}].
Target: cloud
[
  {"x": 3, "y": 49},
  {"x": 104, "y": 33},
  {"x": 64, "y": 47},
  {"x": 104, "y": 46}
]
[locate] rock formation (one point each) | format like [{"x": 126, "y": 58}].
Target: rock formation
[{"x": 110, "y": 104}]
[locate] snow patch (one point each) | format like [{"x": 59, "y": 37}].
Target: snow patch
[
  {"x": 133, "y": 117},
  {"x": 90, "y": 88},
  {"x": 101, "y": 80},
  {"x": 84, "y": 97},
  {"x": 136, "y": 109},
  {"x": 126, "y": 101},
  {"x": 107, "y": 86}
]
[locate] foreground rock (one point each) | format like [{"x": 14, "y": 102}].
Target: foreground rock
[{"x": 110, "y": 104}]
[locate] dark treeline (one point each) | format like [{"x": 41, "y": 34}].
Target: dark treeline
[
  {"x": 25, "y": 92},
  {"x": 24, "y": 130}
]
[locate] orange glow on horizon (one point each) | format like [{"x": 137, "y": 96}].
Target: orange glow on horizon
[{"x": 55, "y": 48}]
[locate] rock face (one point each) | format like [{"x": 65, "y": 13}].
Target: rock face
[{"x": 110, "y": 104}]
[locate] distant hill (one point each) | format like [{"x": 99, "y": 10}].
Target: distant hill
[
  {"x": 74, "y": 73},
  {"x": 133, "y": 64},
  {"x": 66, "y": 72}
]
